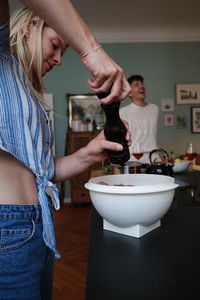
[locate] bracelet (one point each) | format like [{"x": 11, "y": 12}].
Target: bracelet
[{"x": 90, "y": 51}]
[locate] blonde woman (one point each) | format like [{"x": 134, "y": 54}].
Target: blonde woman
[{"x": 27, "y": 166}]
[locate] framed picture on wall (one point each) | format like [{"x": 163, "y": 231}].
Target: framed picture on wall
[
  {"x": 188, "y": 93},
  {"x": 169, "y": 120},
  {"x": 195, "y": 119},
  {"x": 167, "y": 105},
  {"x": 181, "y": 121},
  {"x": 84, "y": 107}
]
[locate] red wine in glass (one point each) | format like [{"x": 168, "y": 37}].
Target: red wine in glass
[
  {"x": 190, "y": 156},
  {"x": 137, "y": 151},
  {"x": 190, "y": 152},
  {"x": 138, "y": 155}
]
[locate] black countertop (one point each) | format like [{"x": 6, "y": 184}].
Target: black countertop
[{"x": 163, "y": 264}]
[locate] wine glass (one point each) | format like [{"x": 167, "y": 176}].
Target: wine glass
[
  {"x": 190, "y": 152},
  {"x": 137, "y": 151}
]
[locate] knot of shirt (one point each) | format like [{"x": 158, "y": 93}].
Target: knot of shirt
[{"x": 47, "y": 218}]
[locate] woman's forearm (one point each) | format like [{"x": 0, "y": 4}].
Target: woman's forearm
[
  {"x": 65, "y": 20},
  {"x": 71, "y": 165}
]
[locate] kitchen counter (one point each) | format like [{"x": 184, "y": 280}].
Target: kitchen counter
[{"x": 163, "y": 264}]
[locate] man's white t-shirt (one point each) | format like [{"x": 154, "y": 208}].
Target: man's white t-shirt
[{"x": 143, "y": 121}]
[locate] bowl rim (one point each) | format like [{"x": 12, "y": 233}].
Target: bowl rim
[
  {"x": 142, "y": 189},
  {"x": 181, "y": 166},
  {"x": 187, "y": 162},
  {"x": 129, "y": 190},
  {"x": 170, "y": 178}
]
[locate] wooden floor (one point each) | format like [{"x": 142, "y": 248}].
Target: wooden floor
[{"x": 72, "y": 236}]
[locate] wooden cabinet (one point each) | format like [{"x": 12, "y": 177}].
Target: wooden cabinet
[{"x": 75, "y": 141}]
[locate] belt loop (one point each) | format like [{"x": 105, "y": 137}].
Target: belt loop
[{"x": 37, "y": 210}]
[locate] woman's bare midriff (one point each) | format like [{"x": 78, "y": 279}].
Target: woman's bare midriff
[{"x": 17, "y": 183}]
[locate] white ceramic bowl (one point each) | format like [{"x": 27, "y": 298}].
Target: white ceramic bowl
[
  {"x": 181, "y": 166},
  {"x": 132, "y": 210}
]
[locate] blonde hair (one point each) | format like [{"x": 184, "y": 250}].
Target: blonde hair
[{"x": 19, "y": 26}]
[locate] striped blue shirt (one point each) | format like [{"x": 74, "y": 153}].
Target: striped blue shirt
[{"x": 25, "y": 131}]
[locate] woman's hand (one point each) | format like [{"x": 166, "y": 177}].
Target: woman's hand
[
  {"x": 107, "y": 76},
  {"x": 71, "y": 165},
  {"x": 96, "y": 148}
]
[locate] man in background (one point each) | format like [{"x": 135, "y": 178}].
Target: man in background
[{"x": 143, "y": 120}]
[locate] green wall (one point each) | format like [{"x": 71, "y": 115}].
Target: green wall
[{"x": 162, "y": 65}]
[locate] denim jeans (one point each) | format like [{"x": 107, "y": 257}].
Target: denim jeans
[{"x": 25, "y": 262}]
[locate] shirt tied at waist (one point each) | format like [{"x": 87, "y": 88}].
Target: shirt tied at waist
[{"x": 47, "y": 220}]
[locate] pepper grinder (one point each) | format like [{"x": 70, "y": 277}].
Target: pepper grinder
[{"x": 115, "y": 131}]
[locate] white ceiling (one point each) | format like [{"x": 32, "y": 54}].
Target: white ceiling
[{"x": 140, "y": 21}]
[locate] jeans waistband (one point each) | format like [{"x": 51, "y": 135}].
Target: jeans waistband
[{"x": 23, "y": 212}]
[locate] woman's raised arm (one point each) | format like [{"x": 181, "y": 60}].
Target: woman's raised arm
[{"x": 65, "y": 20}]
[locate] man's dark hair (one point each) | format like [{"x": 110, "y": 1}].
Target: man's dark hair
[{"x": 135, "y": 78}]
